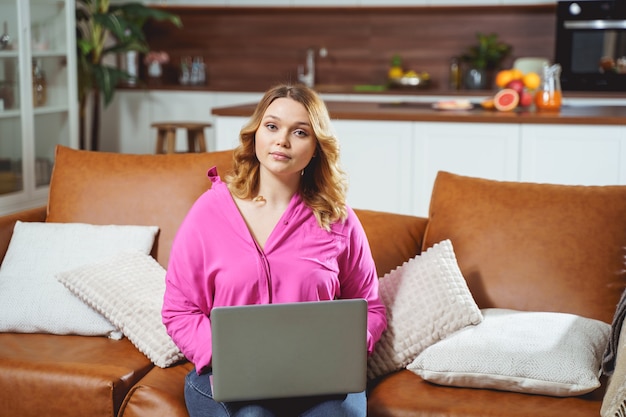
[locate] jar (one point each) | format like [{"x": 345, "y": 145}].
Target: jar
[{"x": 549, "y": 96}]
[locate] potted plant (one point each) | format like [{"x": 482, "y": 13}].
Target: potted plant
[
  {"x": 482, "y": 58},
  {"x": 102, "y": 30}
]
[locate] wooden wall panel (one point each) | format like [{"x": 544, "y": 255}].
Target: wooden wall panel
[{"x": 248, "y": 48}]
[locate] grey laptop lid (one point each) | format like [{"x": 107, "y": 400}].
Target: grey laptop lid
[{"x": 289, "y": 350}]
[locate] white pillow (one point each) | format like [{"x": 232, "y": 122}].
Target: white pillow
[
  {"x": 426, "y": 299},
  {"x": 128, "y": 289},
  {"x": 32, "y": 300},
  {"x": 555, "y": 354}
]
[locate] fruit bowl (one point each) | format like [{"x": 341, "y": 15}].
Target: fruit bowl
[{"x": 418, "y": 80}]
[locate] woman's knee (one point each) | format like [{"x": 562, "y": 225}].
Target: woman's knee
[{"x": 199, "y": 397}]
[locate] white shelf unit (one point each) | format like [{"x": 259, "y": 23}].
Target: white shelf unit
[{"x": 42, "y": 33}]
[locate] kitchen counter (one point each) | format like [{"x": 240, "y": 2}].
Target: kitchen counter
[{"x": 423, "y": 112}]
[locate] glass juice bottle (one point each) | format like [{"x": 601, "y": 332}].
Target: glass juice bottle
[{"x": 549, "y": 96}]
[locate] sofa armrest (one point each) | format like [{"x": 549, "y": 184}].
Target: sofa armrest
[
  {"x": 7, "y": 223},
  {"x": 614, "y": 402}
]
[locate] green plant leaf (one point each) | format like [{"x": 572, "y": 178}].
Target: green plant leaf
[
  {"x": 97, "y": 23},
  {"x": 107, "y": 78}
]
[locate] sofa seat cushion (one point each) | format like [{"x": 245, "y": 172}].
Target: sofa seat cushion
[
  {"x": 70, "y": 376},
  {"x": 159, "y": 393},
  {"x": 404, "y": 394},
  {"x": 534, "y": 247}
]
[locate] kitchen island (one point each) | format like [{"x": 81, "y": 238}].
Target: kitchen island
[
  {"x": 413, "y": 111},
  {"x": 393, "y": 150}
]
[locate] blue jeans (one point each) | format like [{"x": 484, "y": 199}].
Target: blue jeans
[{"x": 200, "y": 403}]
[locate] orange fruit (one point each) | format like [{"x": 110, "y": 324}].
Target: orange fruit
[
  {"x": 503, "y": 77},
  {"x": 532, "y": 80},
  {"x": 487, "y": 104},
  {"x": 516, "y": 74},
  {"x": 506, "y": 99}
]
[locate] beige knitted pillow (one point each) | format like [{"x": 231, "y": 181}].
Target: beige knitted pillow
[
  {"x": 128, "y": 290},
  {"x": 426, "y": 299}
]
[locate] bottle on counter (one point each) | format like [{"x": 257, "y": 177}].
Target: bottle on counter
[
  {"x": 549, "y": 96},
  {"x": 455, "y": 74},
  {"x": 40, "y": 87}
]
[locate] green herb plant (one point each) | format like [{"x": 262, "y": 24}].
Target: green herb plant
[{"x": 488, "y": 53}]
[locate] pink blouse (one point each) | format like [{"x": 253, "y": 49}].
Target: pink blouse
[{"x": 215, "y": 261}]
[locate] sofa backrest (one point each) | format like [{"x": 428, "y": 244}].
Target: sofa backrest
[
  {"x": 535, "y": 247},
  {"x": 113, "y": 188},
  {"x": 393, "y": 238}
]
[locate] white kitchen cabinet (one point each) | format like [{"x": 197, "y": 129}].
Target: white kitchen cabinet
[
  {"x": 227, "y": 132},
  {"x": 35, "y": 116},
  {"x": 377, "y": 158},
  {"x": 126, "y": 121},
  {"x": 562, "y": 154},
  {"x": 473, "y": 149},
  {"x": 392, "y": 165}
]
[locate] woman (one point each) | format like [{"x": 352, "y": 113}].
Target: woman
[{"x": 277, "y": 230}]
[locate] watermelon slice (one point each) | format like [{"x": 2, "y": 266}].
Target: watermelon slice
[{"x": 506, "y": 99}]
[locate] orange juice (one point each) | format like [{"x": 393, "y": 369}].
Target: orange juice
[
  {"x": 549, "y": 97},
  {"x": 548, "y": 100}
]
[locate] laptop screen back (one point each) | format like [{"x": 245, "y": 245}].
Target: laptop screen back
[{"x": 289, "y": 350}]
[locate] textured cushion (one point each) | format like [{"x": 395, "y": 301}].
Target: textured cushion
[
  {"x": 534, "y": 247},
  {"x": 128, "y": 290},
  {"x": 32, "y": 300},
  {"x": 531, "y": 352},
  {"x": 426, "y": 299},
  {"x": 114, "y": 188}
]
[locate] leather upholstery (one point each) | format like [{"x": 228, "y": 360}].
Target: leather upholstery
[
  {"x": 407, "y": 232},
  {"x": 535, "y": 247},
  {"x": 523, "y": 246},
  {"x": 404, "y": 394},
  {"x": 69, "y": 376},
  {"x": 160, "y": 393},
  {"x": 112, "y": 188}
]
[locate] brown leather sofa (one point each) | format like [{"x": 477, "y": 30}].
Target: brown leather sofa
[{"x": 520, "y": 246}]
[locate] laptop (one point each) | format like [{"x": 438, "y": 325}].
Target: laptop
[{"x": 289, "y": 350}]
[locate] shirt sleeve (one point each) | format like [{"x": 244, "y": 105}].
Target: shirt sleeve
[
  {"x": 359, "y": 279},
  {"x": 188, "y": 294}
]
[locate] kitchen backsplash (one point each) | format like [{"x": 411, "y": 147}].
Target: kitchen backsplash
[{"x": 251, "y": 48}]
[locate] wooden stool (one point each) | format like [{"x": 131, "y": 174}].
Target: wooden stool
[{"x": 166, "y": 136}]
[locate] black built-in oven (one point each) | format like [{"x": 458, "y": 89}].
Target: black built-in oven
[{"x": 591, "y": 45}]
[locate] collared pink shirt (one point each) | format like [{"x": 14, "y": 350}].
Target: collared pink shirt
[{"x": 215, "y": 261}]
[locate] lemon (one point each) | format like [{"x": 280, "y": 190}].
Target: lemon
[{"x": 395, "y": 72}]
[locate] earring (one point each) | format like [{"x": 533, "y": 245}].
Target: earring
[{"x": 301, "y": 173}]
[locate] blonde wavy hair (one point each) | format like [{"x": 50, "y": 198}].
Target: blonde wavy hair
[{"x": 323, "y": 184}]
